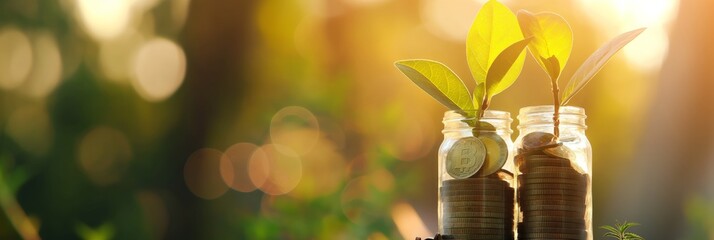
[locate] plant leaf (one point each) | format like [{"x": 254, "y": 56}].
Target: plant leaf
[
  {"x": 504, "y": 63},
  {"x": 552, "y": 40},
  {"x": 595, "y": 62},
  {"x": 612, "y": 235},
  {"x": 479, "y": 95},
  {"x": 494, "y": 29},
  {"x": 439, "y": 81},
  {"x": 626, "y": 225},
  {"x": 633, "y": 236},
  {"x": 610, "y": 229}
]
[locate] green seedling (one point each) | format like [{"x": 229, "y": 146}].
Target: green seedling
[
  {"x": 494, "y": 51},
  {"x": 619, "y": 231},
  {"x": 551, "y": 46}
]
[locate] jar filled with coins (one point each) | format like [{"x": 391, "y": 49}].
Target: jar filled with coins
[
  {"x": 476, "y": 176},
  {"x": 554, "y": 174}
]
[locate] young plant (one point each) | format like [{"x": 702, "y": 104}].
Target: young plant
[
  {"x": 551, "y": 47},
  {"x": 619, "y": 231},
  {"x": 494, "y": 51}
]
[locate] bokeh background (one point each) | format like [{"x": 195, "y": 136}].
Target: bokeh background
[{"x": 285, "y": 119}]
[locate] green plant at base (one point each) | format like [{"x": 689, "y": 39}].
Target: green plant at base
[
  {"x": 619, "y": 231},
  {"x": 551, "y": 47},
  {"x": 494, "y": 51}
]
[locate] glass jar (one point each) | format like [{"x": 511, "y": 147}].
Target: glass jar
[
  {"x": 476, "y": 176},
  {"x": 554, "y": 175}
]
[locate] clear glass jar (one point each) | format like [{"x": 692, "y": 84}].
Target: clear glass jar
[
  {"x": 554, "y": 175},
  {"x": 477, "y": 199}
]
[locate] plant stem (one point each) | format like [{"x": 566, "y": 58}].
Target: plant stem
[
  {"x": 14, "y": 212},
  {"x": 556, "y": 108},
  {"x": 484, "y": 106}
]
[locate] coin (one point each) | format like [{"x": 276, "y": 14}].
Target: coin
[
  {"x": 552, "y": 170},
  {"x": 476, "y": 186},
  {"x": 564, "y": 214},
  {"x": 534, "y": 140},
  {"x": 484, "y": 127},
  {"x": 478, "y": 231},
  {"x": 473, "y": 220},
  {"x": 533, "y": 225},
  {"x": 475, "y": 198},
  {"x": 446, "y": 192},
  {"x": 499, "y": 215},
  {"x": 565, "y": 208},
  {"x": 551, "y": 225},
  {"x": 538, "y": 219},
  {"x": 503, "y": 175},
  {"x": 526, "y": 199},
  {"x": 553, "y": 202},
  {"x": 531, "y": 230},
  {"x": 554, "y": 236},
  {"x": 496, "y": 153},
  {"x": 534, "y": 180},
  {"x": 500, "y": 204},
  {"x": 552, "y": 175},
  {"x": 531, "y": 163},
  {"x": 478, "y": 237},
  {"x": 465, "y": 157},
  {"x": 500, "y": 226},
  {"x": 560, "y": 151},
  {"x": 473, "y": 209},
  {"x": 563, "y": 186},
  {"x": 480, "y": 180}
]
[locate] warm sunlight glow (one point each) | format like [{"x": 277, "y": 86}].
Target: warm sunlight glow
[
  {"x": 296, "y": 128},
  {"x": 104, "y": 155},
  {"x": 408, "y": 221},
  {"x": 283, "y": 167},
  {"x": 104, "y": 19},
  {"x": 234, "y": 166},
  {"x": 15, "y": 57},
  {"x": 451, "y": 19},
  {"x": 47, "y": 67},
  {"x": 159, "y": 69},
  {"x": 116, "y": 56},
  {"x": 31, "y": 129},
  {"x": 649, "y": 50},
  {"x": 202, "y": 174}
]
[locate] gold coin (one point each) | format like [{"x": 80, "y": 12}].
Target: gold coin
[
  {"x": 560, "y": 151},
  {"x": 537, "y": 139},
  {"x": 465, "y": 157},
  {"x": 496, "y": 153}
]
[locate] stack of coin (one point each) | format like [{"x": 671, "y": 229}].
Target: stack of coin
[
  {"x": 551, "y": 195},
  {"x": 478, "y": 208}
]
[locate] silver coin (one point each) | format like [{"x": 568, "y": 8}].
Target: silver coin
[{"x": 465, "y": 157}]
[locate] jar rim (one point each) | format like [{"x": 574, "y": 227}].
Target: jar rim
[
  {"x": 541, "y": 115},
  {"x": 538, "y": 109},
  {"x": 488, "y": 114}
]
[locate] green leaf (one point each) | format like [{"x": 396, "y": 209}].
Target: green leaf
[
  {"x": 595, "y": 62},
  {"x": 552, "y": 40},
  {"x": 612, "y": 235},
  {"x": 610, "y": 229},
  {"x": 479, "y": 95},
  {"x": 496, "y": 80},
  {"x": 626, "y": 225},
  {"x": 439, "y": 81},
  {"x": 494, "y": 29},
  {"x": 633, "y": 236}
]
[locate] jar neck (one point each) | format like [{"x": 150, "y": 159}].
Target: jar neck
[
  {"x": 456, "y": 121},
  {"x": 542, "y": 116}
]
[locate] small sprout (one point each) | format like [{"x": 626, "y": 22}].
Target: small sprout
[
  {"x": 619, "y": 231},
  {"x": 495, "y": 57},
  {"x": 551, "y": 47}
]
